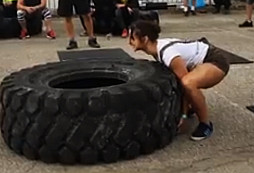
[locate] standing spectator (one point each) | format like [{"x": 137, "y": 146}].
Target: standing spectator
[
  {"x": 249, "y": 9},
  {"x": 219, "y": 3},
  {"x": 124, "y": 13},
  {"x": 82, "y": 7},
  {"x": 29, "y": 8},
  {"x": 186, "y": 7}
]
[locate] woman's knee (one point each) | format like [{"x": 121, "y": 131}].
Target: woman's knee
[{"x": 188, "y": 83}]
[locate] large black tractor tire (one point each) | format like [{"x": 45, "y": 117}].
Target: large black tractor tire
[{"x": 90, "y": 111}]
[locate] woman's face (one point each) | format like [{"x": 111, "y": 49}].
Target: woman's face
[{"x": 136, "y": 42}]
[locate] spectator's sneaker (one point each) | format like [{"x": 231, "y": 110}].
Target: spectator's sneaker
[
  {"x": 92, "y": 42},
  {"x": 246, "y": 23},
  {"x": 193, "y": 12},
  {"x": 186, "y": 13},
  {"x": 51, "y": 34},
  {"x": 203, "y": 131},
  {"x": 216, "y": 11},
  {"x": 83, "y": 34},
  {"x": 124, "y": 33},
  {"x": 24, "y": 34},
  {"x": 226, "y": 11},
  {"x": 108, "y": 36},
  {"x": 72, "y": 45}
]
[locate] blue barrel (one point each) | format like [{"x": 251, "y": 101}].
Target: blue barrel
[{"x": 199, "y": 3}]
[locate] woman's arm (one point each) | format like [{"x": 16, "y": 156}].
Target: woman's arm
[{"x": 179, "y": 67}]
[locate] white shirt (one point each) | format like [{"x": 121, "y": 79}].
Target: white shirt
[{"x": 192, "y": 52}]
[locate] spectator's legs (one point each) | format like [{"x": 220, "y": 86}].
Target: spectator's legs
[
  {"x": 185, "y": 8},
  {"x": 217, "y": 6},
  {"x": 193, "y": 7},
  {"x": 21, "y": 18},
  {"x": 249, "y": 9},
  {"x": 22, "y": 21},
  {"x": 83, "y": 32},
  {"x": 92, "y": 42},
  {"x": 82, "y": 22},
  {"x": 47, "y": 18},
  {"x": 69, "y": 28},
  {"x": 227, "y": 4},
  {"x": 248, "y": 21},
  {"x": 70, "y": 33},
  {"x": 121, "y": 19},
  {"x": 88, "y": 21}
]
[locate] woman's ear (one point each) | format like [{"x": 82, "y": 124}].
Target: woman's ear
[{"x": 146, "y": 39}]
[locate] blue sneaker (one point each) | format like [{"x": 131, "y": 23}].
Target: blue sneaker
[{"x": 203, "y": 131}]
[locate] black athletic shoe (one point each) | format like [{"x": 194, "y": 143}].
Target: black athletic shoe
[
  {"x": 226, "y": 11},
  {"x": 193, "y": 12},
  {"x": 203, "y": 131},
  {"x": 72, "y": 45},
  {"x": 92, "y": 42},
  {"x": 186, "y": 13},
  {"x": 246, "y": 23},
  {"x": 216, "y": 11}
]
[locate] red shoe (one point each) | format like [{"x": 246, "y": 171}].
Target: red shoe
[
  {"x": 124, "y": 33},
  {"x": 24, "y": 34},
  {"x": 51, "y": 34}
]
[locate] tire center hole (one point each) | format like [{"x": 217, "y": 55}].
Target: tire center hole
[{"x": 88, "y": 80}]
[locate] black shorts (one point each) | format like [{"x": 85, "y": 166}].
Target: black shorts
[
  {"x": 217, "y": 57},
  {"x": 65, "y": 7}
]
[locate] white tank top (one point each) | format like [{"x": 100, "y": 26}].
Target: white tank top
[{"x": 192, "y": 52}]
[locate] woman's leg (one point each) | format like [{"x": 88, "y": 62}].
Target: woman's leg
[{"x": 203, "y": 76}]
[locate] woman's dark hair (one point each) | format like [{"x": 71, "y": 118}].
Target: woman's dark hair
[{"x": 142, "y": 28}]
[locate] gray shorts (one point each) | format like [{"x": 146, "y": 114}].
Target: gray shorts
[{"x": 250, "y": 2}]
